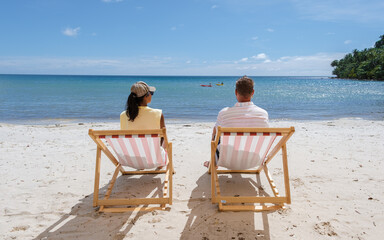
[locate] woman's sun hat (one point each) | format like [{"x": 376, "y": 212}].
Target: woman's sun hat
[{"x": 141, "y": 89}]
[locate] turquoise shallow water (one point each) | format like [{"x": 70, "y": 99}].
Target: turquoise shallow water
[{"x": 48, "y": 98}]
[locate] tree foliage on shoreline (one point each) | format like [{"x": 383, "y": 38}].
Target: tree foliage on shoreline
[{"x": 365, "y": 64}]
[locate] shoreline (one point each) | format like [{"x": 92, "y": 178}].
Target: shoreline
[
  {"x": 65, "y": 122},
  {"x": 335, "y": 169}
]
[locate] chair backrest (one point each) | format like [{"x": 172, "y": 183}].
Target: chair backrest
[
  {"x": 134, "y": 149},
  {"x": 244, "y": 148}
]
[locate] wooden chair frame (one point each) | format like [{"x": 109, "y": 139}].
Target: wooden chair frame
[
  {"x": 267, "y": 202},
  {"x": 106, "y": 204}
]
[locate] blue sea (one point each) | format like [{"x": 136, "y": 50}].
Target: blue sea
[{"x": 38, "y": 99}]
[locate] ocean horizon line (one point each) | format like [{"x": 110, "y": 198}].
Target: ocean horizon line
[{"x": 154, "y": 75}]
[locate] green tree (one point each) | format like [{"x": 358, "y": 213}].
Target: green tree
[
  {"x": 380, "y": 43},
  {"x": 364, "y": 64}
]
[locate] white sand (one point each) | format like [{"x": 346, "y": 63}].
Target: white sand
[{"x": 336, "y": 171}]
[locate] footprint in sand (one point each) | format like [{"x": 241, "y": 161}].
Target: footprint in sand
[
  {"x": 19, "y": 228},
  {"x": 278, "y": 171},
  {"x": 155, "y": 220},
  {"x": 297, "y": 182},
  {"x": 325, "y": 228}
]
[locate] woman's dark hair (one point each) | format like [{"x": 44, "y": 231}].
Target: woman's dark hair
[{"x": 132, "y": 106}]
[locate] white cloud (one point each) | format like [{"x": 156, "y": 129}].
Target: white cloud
[
  {"x": 255, "y": 38},
  {"x": 270, "y": 30},
  {"x": 214, "y": 6},
  {"x": 71, "y": 32},
  {"x": 283, "y": 58},
  {"x": 313, "y": 65},
  {"x": 173, "y": 28},
  {"x": 347, "y": 41},
  {"x": 244, "y": 59},
  {"x": 260, "y": 56}
]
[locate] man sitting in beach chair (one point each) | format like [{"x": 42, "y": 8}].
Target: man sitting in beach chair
[
  {"x": 244, "y": 113},
  {"x": 246, "y": 142}
]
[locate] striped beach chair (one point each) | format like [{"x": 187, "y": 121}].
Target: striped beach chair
[
  {"x": 133, "y": 152},
  {"x": 248, "y": 151}
]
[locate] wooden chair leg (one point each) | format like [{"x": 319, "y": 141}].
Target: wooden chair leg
[
  {"x": 212, "y": 172},
  {"x": 213, "y": 151},
  {"x": 111, "y": 184},
  {"x": 97, "y": 177},
  {"x": 171, "y": 172},
  {"x": 286, "y": 174}
]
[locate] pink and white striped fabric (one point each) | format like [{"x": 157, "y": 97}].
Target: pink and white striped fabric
[
  {"x": 240, "y": 151},
  {"x": 137, "y": 151},
  {"x": 243, "y": 114}
]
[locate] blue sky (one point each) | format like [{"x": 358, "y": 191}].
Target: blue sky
[{"x": 184, "y": 37}]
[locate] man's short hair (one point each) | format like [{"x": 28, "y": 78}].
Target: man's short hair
[{"x": 244, "y": 86}]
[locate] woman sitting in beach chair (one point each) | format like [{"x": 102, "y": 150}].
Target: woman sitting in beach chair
[
  {"x": 137, "y": 114},
  {"x": 140, "y": 144}
]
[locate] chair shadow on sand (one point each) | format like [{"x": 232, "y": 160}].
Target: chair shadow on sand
[
  {"x": 206, "y": 222},
  {"x": 85, "y": 222}
]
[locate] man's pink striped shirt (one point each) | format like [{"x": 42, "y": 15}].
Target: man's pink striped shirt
[{"x": 244, "y": 114}]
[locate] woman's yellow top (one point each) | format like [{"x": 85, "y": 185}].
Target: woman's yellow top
[{"x": 148, "y": 118}]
